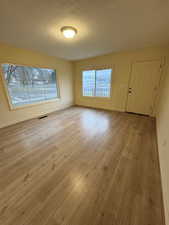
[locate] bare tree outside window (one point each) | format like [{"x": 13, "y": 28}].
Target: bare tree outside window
[
  {"x": 96, "y": 83},
  {"x": 27, "y": 85}
]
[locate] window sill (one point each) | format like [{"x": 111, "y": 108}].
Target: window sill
[
  {"x": 96, "y": 97},
  {"x": 33, "y": 104}
]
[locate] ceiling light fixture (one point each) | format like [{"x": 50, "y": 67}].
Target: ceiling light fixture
[{"x": 69, "y": 32}]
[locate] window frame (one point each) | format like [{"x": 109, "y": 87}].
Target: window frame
[
  {"x": 94, "y": 96},
  {"x": 8, "y": 97}
]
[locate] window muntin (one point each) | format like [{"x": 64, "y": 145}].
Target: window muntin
[
  {"x": 97, "y": 83},
  {"x": 28, "y": 85}
]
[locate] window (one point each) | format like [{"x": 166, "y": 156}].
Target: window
[
  {"x": 97, "y": 82},
  {"x": 27, "y": 85}
]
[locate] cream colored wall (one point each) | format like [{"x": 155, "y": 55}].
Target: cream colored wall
[
  {"x": 121, "y": 64},
  {"x": 26, "y": 57},
  {"x": 163, "y": 138}
]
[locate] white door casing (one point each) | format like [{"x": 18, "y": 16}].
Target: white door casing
[{"x": 143, "y": 87}]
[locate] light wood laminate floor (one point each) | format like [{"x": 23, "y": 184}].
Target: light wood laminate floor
[{"x": 80, "y": 166}]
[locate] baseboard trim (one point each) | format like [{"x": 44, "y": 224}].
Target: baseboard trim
[
  {"x": 105, "y": 109},
  {"x": 66, "y": 106}
]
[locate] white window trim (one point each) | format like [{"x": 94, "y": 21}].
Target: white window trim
[
  {"x": 102, "y": 97},
  {"x": 8, "y": 97}
]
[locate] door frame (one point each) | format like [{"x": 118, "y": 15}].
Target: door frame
[{"x": 162, "y": 61}]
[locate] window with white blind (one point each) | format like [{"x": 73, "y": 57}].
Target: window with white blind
[
  {"x": 96, "y": 83},
  {"x": 29, "y": 85}
]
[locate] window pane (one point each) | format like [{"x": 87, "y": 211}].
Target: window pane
[
  {"x": 27, "y": 85},
  {"x": 88, "y": 83},
  {"x": 103, "y": 82}
]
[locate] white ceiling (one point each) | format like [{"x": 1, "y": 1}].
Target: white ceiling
[{"x": 103, "y": 25}]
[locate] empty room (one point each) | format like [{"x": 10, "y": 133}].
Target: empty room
[{"x": 84, "y": 112}]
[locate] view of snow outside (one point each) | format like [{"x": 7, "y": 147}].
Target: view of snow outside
[{"x": 27, "y": 85}]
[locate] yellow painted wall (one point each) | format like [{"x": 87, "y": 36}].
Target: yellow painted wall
[
  {"x": 163, "y": 139},
  {"x": 121, "y": 64},
  {"x": 26, "y": 57}
]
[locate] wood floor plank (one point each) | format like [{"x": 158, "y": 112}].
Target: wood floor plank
[{"x": 81, "y": 166}]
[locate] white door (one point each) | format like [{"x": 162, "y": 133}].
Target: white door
[{"x": 143, "y": 87}]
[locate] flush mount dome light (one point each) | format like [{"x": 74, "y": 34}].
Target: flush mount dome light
[{"x": 69, "y": 32}]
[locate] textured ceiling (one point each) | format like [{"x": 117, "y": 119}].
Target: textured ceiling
[{"x": 103, "y": 25}]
